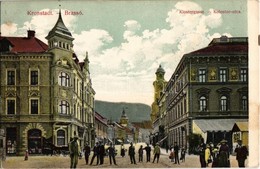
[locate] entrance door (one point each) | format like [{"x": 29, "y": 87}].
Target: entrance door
[{"x": 35, "y": 141}]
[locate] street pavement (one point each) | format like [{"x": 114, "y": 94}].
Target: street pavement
[{"x": 191, "y": 161}]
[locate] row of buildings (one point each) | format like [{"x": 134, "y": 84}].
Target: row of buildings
[
  {"x": 207, "y": 95},
  {"x": 122, "y": 131}
]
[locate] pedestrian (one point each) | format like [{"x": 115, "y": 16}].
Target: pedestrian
[
  {"x": 112, "y": 154},
  {"x": 208, "y": 155},
  {"x": 156, "y": 152},
  {"x": 95, "y": 153},
  {"x": 148, "y": 152},
  {"x": 101, "y": 152},
  {"x": 183, "y": 153},
  {"x": 214, "y": 157},
  {"x": 74, "y": 150},
  {"x": 241, "y": 153},
  {"x": 223, "y": 160},
  {"x": 87, "y": 151},
  {"x": 122, "y": 153},
  {"x": 176, "y": 152},
  {"x": 26, "y": 155},
  {"x": 202, "y": 148},
  {"x": 131, "y": 153},
  {"x": 167, "y": 148},
  {"x": 172, "y": 156},
  {"x": 140, "y": 153}
]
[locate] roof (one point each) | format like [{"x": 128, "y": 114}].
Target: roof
[
  {"x": 25, "y": 44},
  {"x": 217, "y": 124},
  {"x": 227, "y": 46},
  {"x": 100, "y": 118},
  {"x": 160, "y": 70},
  {"x": 60, "y": 29},
  {"x": 240, "y": 126}
]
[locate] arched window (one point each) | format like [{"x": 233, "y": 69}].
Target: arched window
[
  {"x": 244, "y": 103},
  {"x": 60, "y": 137},
  {"x": 64, "y": 79},
  {"x": 64, "y": 107},
  {"x": 223, "y": 103},
  {"x": 203, "y": 103}
]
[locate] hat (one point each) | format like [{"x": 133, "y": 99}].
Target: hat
[{"x": 223, "y": 141}]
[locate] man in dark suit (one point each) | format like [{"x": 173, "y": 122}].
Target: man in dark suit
[{"x": 87, "y": 152}]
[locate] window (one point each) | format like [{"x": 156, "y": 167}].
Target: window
[
  {"x": 244, "y": 103},
  {"x": 34, "y": 106},
  {"x": 203, "y": 103},
  {"x": 64, "y": 79},
  {"x": 10, "y": 77},
  {"x": 34, "y": 77},
  {"x": 243, "y": 74},
  {"x": 223, "y": 75},
  {"x": 11, "y": 106},
  {"x": 64, "y": 107},
  {"x": 202, "y": 75},
  {"x": 223, "y": 103},
  {"x": 60, "y": 137}
]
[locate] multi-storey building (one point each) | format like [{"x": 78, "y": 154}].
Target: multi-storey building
[
  {"x": 46, "y": 94},
  {"x": 208, "y": 92}
]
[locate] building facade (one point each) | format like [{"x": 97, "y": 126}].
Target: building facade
[
  {"x": 207, "y": 93},
  {"x": 46, "y": 94},
  {"x": 101, "y": 127}
]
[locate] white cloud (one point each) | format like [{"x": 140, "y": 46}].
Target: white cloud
[{"x": 8, "y": 29}]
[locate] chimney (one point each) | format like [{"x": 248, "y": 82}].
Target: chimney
[{"x": 30, "y": 34}]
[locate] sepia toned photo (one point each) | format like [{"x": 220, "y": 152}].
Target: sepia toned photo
[{"x": 129, "y": 84}]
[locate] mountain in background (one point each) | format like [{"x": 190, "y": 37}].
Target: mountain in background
[{"x": 136, "y": 112}]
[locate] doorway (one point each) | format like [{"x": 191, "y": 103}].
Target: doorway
[{"x": 35, "y": 141}]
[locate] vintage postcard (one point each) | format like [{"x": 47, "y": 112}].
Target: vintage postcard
[{"x": 129, "y": 84}]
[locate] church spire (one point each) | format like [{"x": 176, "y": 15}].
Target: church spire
[{"x": 60, "y": 29}]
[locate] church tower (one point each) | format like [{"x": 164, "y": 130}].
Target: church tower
[
  {"x": 124, "y": 119},
  {"x": 159, "y": 85}
]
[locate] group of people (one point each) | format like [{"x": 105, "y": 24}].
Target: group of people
[
  {"x": 219, "y": 155},
  {"x": 174, "y": 153},
  {"x": 98, "y": 152},
  {"x": 147, "y": 149}
]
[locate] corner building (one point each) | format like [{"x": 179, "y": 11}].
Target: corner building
[
  {"x": 208, "y": 93},
  {"x": 46, "y": 94}
]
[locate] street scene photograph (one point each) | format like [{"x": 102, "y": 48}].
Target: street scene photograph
[{"x": 126, "y": 84}]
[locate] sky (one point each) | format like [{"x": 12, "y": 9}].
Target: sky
[{"x": 127, "y": 40}]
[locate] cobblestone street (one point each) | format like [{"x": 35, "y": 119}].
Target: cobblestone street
[{"x": 192, "y": 161}]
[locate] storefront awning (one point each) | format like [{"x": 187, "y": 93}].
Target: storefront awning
[
  {"x": 216, "y": 125},
  {"x": 240, "y": 126}
]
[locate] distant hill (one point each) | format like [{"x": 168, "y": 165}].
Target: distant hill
[{"x": 136, "y": 112}]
